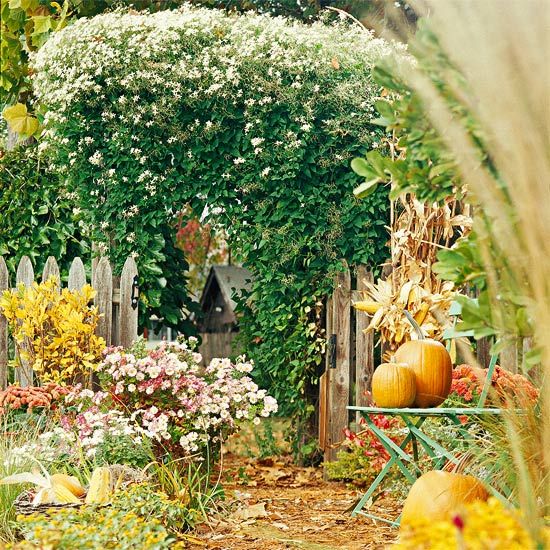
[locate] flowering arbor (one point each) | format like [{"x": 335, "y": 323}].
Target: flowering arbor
[{"x": 256, "y": 117}]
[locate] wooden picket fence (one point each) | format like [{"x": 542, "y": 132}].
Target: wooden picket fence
[
  {"x": 116, "y": 298},
  {"x": 349, "y": 359}
]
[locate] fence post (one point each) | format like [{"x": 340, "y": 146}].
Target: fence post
[
  {"x": 364, "y": 346},
  {"x": 4, "y": 285},
  {"x": 25, "y": 275},
  {"x": 339, "y": 373},
  {"x": 324, "y": 413},
  {"x": 103, "y": 284},
  {"x": 128, "y": 303}
]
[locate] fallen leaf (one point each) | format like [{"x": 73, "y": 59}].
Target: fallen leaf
[
  {"x": 280, "y": 525},
  {"x": 272, "y": 475},
  {"x": 250, "y": 512}
]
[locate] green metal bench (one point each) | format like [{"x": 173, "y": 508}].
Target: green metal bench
[{"x": 413, "y": 420}]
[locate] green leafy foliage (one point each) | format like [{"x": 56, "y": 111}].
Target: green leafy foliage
[
  {"x": 427, "y": 168},
  {"x": 25, "y": 27},
  {"x": 122, "y": 449},
  {"x": 39, "y": 217},
  {"x": 195, "y": 115},
  {"x": 121, "y": 528}
]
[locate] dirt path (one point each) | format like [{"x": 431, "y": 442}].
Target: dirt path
[{"x": 273, "y": 505}]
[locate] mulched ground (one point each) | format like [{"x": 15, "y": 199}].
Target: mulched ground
[{"x": 272, "y": 504}]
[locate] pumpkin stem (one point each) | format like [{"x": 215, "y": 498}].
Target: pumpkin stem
[{"x": 414, "y": 324}]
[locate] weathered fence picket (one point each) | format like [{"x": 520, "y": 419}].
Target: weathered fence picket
[
  {"x": 364, "y": 344},
  {"x": 339, "y": 371},
  {"x": 349, "y": 360},
  {"x": 51, "y": 269},
  {"x": 77, "y": 275},
  {"x": 25, "y": 276},
  {"x": 117, "y": 303},
  {"x": 103, "y": 283},
  {"x": 128, "y": 313}
]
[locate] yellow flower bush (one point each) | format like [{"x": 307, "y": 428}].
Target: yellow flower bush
[
  {"x": 54, "y": 330},
  {"x": 479, "y": 526}
]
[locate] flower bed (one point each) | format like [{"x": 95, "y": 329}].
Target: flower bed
[
  {"x": 177, "y": 402},
  {"x": 158, "y": 412},
  {"x": 507, "y": 388}
]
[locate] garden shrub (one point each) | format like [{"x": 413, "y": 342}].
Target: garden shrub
[
  {"x": 203, "y": 246},
  {"x": 507, "y": 388},
  {"x": 54, "y": 330},
  {"x": 256, "y": 118},
  {"x": 363, "y": 457},
  {"x": 31, "y": 399},
  {"x": 139, "y": 516},
  {"x": 39, "y": 217},
  {"x": 157, "y": 402},
  {"x": 120, "y": 528}
]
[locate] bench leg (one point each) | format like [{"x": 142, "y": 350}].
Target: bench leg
[
  {"x": 370, "y": 491},
  {"x": 397, "y": 456}
]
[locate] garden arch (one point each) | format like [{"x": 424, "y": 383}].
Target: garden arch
[{"x": 256, "y": 117}]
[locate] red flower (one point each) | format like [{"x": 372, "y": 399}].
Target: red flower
[{"x": 458, "y": 522}]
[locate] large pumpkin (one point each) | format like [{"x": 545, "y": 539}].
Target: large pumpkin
[
  {"x": 439, "y": 495},
  {"x": 393, "y": 386},
  {"x": 432, "y": 367}
]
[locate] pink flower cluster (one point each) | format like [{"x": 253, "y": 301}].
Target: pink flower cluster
[{"x": 174, "y": 399}]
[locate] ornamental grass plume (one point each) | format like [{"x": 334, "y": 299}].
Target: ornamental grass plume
[{"x": 502, "y": 54}]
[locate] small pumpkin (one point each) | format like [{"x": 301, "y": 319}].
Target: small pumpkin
[
  {"x": 393, "y": 385},
  {"x": 438, "y": 495},
  {"x": 431, "y": 364}
]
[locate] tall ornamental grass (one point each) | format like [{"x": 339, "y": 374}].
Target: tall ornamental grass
[{"x": 501, "y": 49}]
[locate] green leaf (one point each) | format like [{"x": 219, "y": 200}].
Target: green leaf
[
  {"x": 42, "y": 24},
  {"x": 367, "y": 188},
  {"x": 384, "y": 108},
  {"x": 439, "y": 169},
  {"x": 361, "y": 167}
]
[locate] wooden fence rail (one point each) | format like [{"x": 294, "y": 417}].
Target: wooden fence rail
[{"x": 116, "y": 298}]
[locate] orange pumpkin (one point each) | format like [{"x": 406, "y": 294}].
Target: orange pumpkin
[
  {"x": 393, "y": 385},
  {"x": 432, "y": 367},
  {"x": 438, "y": 495}
]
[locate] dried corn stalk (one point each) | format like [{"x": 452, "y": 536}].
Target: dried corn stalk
[{"x": 417, "y": 232}]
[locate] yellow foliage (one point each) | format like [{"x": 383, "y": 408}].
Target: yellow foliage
[
  {"x": 54, "y": 330},
  {"x": 20, "y": 120},
  {"x": 484, "y": 525}
]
